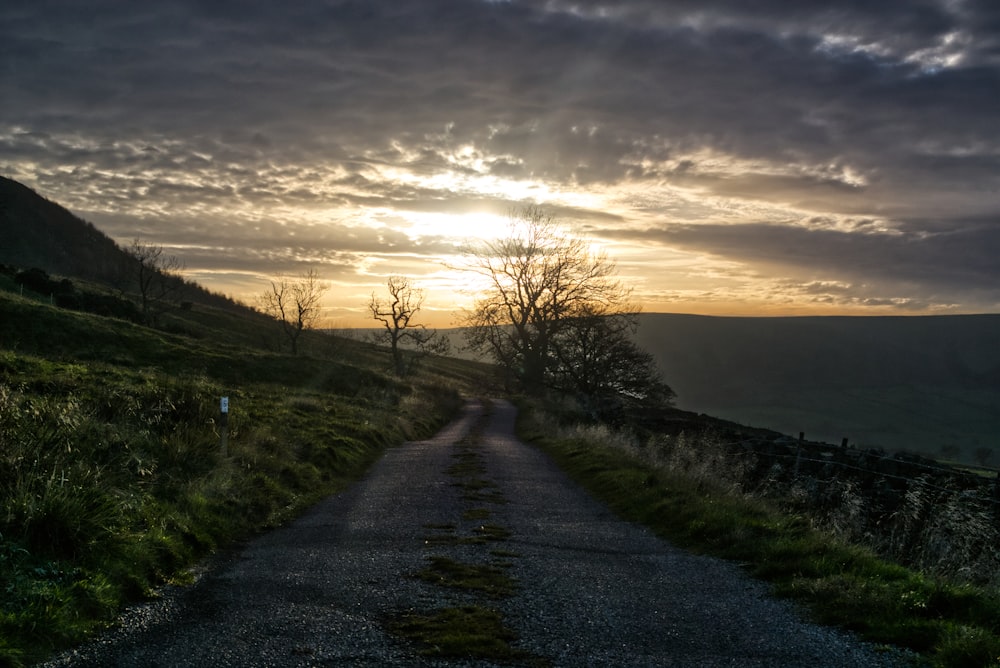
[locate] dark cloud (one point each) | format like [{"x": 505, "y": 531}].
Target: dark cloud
[
  {"x": 910, "y": 264},
  {"x": 876, "y": 121}
]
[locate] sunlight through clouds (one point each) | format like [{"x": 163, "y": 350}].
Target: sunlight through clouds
[
  {"x": 773, "y": 158},
  {"x": 459, "y": 228}
]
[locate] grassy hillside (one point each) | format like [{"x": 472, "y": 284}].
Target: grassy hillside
[
  {"x": 913, "y": 383},
  {"x": 38, "y": 235},
  {"x": 113, "y": 479},
  {"x": 35, "y": 232}
]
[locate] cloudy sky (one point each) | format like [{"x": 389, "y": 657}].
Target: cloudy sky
[{"x": 734, "y": 157}]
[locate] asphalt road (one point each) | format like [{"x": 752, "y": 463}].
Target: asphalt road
[{"x": 589, "y": 589}]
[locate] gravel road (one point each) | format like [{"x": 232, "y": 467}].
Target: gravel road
[{"x": 590, "y": 589}]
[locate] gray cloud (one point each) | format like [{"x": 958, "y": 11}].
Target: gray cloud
[
  {"x": 866, "y": 132},
  {"x": 921, "y": 269}
]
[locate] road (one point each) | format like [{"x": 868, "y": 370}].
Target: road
[{"x": 574, "y": 584}]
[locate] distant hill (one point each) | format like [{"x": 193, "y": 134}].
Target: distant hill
[{"x": 914, "y": 383}]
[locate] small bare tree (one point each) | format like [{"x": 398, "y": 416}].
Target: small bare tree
[
  {"x": 154, "y": 275},
  {"x": 396, "y": 314},
  {"x": 295, "y": 304}
]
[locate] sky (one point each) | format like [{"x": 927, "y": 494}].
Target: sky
[{"x": 737, "y": 157}]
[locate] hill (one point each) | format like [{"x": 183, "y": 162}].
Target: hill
[
  {"x": 35, "y": 232},
  {"x": 41, "y": 237},
  {"x": 922, "y": 383}
]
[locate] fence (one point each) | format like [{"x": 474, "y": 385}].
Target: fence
[{"x": 937, "y": 518}]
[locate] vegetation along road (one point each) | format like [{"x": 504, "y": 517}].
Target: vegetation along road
[{"x": 470, "y": 548}]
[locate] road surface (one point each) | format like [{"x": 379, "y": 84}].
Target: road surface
[{"x": 580, "y": 587}]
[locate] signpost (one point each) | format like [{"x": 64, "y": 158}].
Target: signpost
[{"x": 224, "y": 425}]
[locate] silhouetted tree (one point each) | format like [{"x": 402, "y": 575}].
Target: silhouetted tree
[
  {"x": 396, "y": 314},
  {"x": 596, "y": 358},
  {"x": 154, "y": 275},
  {"x": 295, "y": 304},
  {"x": 554, "y": 316}
]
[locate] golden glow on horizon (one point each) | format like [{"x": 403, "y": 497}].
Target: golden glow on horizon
[{"x": 360, "y": 223}]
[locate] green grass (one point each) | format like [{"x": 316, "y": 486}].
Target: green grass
[
  {"x": 474, "y": 514},
  {"x": 491, "y": 533},
  {"x": 840, "y": 584},
  {"x": 486, "y": 579},
  {"x": 463, "y": 632},
  {"x": 112, "y": 478}
]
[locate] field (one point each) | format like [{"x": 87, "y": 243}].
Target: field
[{"x": 923, "y": 384}]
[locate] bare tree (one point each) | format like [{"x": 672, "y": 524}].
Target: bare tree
[
  {"x": 154, "y": 275},
  {"x": 396, "y": 314},
  {"x": 553, "y": 315},
  {"x": 295, "y": 304}
]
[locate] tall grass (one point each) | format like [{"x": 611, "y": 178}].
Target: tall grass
[
  {"x": 694, "y": 492},
  {"x": 943, "y": 532},
  {"x": 949, "y": 533}
]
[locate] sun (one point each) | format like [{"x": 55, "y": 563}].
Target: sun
[{"x": 459, "y": 228}]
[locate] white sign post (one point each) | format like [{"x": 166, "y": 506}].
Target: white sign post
[{"x": 224, "y": 425}]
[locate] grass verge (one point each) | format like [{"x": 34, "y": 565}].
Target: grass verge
[
  {"x": 840, "y": 584},
  {"x": 112, "y": 476}
]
